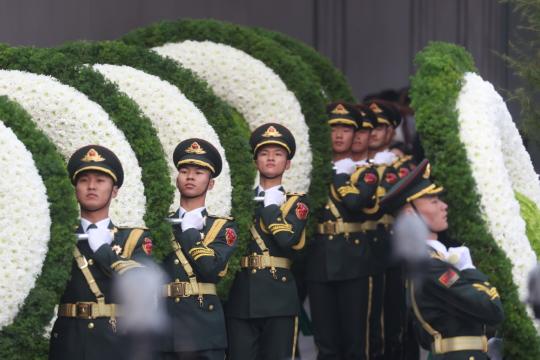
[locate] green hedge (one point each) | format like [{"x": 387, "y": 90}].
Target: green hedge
[
  {"x": 123, "y": 112},
  {"x": 228, "y": 124},
  {"x": 23, "y": 338},
  {"x": 435, "y": 88},
  {"x": 333, "y": 82},
  {"x": 297, "y": 76}
]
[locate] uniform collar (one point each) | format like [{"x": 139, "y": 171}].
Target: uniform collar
[
  {"x": 438, "y": 247},
  {"x": 278, "y": 187},
  {"x": 104, "y": 224},
  {"x": 182, "y": 211}
]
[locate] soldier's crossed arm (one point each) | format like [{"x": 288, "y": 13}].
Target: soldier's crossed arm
[
  {"x": 137, "y": 249},
  {"x": 358, "y": 190},
  {"x": 209, "y": 255},
  {"x": 465, "y": 292},
  {"x": 287, "y": 223}
]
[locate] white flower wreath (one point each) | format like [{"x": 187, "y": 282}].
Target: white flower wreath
[
  {"x": 175, "y": 118},
  {"x": 487, "y": 136},
  {"x": 24, "y": 225},
  {"x": 254, "y": 90},
  {"x": 71, "y": 121}
]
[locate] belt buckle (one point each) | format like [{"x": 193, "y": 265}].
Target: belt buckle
[
  {"x": 329, "y": 228},
  {"x": 179, "y": 289},
  {"x": 255, "y": 261},
  {"x": 83, "y": 310}
]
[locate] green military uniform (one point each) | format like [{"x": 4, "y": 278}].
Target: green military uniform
[
  {"x": 451, "y": 307},
  {"x": 196, "y": 326},
  {"x": 88, "y": 314},
  {"x": 263, "y": 306},
  {"x": 338, "y": 266}
]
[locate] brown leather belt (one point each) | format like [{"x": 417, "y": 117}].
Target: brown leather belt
[
  {"x": 87, "y": 310},
  {"x": 459, "y": 343},
  {"x": 257, "y": 261},
  {"x": 185, "y": 289}
]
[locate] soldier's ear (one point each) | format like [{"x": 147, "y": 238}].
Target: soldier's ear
[
  {"x": 287, "y": 164},
  {"x": 114, "y": 191},
  {"x": 211, "y": 184}
]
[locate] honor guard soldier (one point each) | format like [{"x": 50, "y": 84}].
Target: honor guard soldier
[
  {"x": 86, "y": 327},
  {"x": 338, "y": 271},
  {"x": 202, "y": 246},
  {"x": 452, "y": 301},
  {"x": 263, "y": 305},
  {"x": 360, "y": 144}
]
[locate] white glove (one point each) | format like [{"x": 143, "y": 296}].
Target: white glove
[
  {"x": 460, "y": 257},
  {"x": 274, "y": 197},
  {"x": 345, "y": 166},
  {"x": 192, "y": 220},
  {"x": 98, "y": 237},
  {"x": 384, "y": 158}
]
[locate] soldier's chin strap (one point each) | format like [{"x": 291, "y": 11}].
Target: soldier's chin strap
[{"x": 421, "y": 217}]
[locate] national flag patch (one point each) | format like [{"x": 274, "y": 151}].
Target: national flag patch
[{"x": 449, "y": 278}]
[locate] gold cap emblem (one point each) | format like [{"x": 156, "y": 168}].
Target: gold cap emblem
[
  {"x": 92, "y": 155},
  {"x": 340, "y": 110},
  {"x": 271, "y": 132},
  {"x": 195, "y": 148},
  {"x": 375, "y": 108}
]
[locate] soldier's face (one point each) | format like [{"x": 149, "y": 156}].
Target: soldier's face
[
  {"x": 95, "y": 190},
  {"x": 434, "y": 211},
  {"x": 360, "y": 141},
  {"x": 342, "y": 138},
  {"x": 378, "y": 137},
  {"x": 194, "y": 181},
  {"x": 390, "y": 133},
  {"x": 272, "y": 161}
]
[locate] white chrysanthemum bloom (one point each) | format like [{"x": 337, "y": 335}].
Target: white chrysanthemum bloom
[
  {"x": 24, "y": 225},
  {"x": 255, "y": 90},
  {"x": 71, "y": 121},
  {"x": 175, "y": 118},
  {"x": 478, "y": 106}
]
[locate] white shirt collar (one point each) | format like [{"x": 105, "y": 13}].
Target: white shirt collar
[
  {"x": 183, "y": 211},
  {"x": 102, "y": 224},
  {"x": 260, "y": 188},
  {"x": 438, "y": 246}
]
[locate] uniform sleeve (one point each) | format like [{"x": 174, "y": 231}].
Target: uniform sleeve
[
  {"x": 465, "y": 292},
  {"x": 357, "y": 191},
  {"x": 287, "y": 225},
  {"x": 209, "y": 258},
  {"x": 134, "y": 254}
]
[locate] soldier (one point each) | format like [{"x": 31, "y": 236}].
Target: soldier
[
  {"x": 263, "y": 306},
  {"x": 360, "y": 144},
  {"x": 338, "y": 268},
  {"x": 86, "y": 327},
  {"x": 202, "y": 246},
  {"x": 452, "y": 302}
]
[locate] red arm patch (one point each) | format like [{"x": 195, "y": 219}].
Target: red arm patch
[
  {"x": 449, "y": 278},
  {"x": 230, "y": 236},
  {"x": 302, "y": 211},
  {"x": 147, "y": 246},
  {"x": 370, "y": 178},
  {"x": 403, "y": 172},
  {"x": 391, "y": 178}
]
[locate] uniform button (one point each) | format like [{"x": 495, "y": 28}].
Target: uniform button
[
  {"x": 284, "y": 279},
  {"x": 176, "y": 280},
  {"x": 176, "y": 261},
  {"x": 253, "y": 271},
  {"x": 327, "y": 207},
  {"x": 55, "y": 335},
  {"x": 177, "y": 300},
  {"x": 278, "y": 219},
  {"x": 330, "y": 237},
  {"x": 91, "y": 325},
  {"x": 391, "y": 232},
  {"x": 210, "y": 307},
  {"x": 356, "y": 241},
  {"x": 90, "y": 262},
  {"x": 375, "y": 239}
]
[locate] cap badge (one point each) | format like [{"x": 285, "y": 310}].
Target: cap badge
[
  {"x": 340, "y": 110},
  {"x": 427, "y": 172},
  {"x": 195, "y": 148},
  {"x": 271, "y": 132},
  {"x": 92, "y": 155},
  {"x": 375, "y": 108}
]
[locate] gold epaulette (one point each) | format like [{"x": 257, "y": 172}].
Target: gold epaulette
[
  {"x": 295, "y": 193},
  {"x": 401, "y": 160},
  {"x": 131, "y": 227},
  {"x": 229, "y": 218}
]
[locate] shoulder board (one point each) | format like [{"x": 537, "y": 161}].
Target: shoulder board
[
  {"x": 295, "y": 193},
  {"x": 402, "y": 160},
  {"x": 131, "y": 227},
  {"x": 171, "y": 214},
  {"x": 230, "y": 218}
]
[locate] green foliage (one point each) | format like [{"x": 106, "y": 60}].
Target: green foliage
[
  {"x": 531, "y": 214},
  {"x": 123, "y": 112},
  {"x": 23, "y": 338},
  {"x": 525, "y": 61},
  {"x": 296, "y": 75},
  {"x": 435, "y": 88},
  {"x": 333, "y": 82},
  {"x": 228, "y": 124}
]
